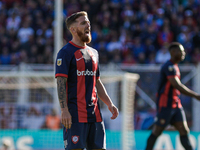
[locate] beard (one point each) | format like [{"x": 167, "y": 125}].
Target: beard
[{"x": 84, "y": 38}]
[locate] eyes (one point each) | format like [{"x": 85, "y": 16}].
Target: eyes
[{"x": 85, "y": 22}]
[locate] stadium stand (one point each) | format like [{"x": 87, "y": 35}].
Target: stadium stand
[{"x": 124, "y": 31}]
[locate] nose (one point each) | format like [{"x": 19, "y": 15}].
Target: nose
[{"x": 88, "y": 24}]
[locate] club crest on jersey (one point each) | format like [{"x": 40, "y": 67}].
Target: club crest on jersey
[
  {"x": 171, "y": 68},
  {"x": 75, "y": 139},
  {"x": 162, "y": 121},
  {"x": 59, "y": 62}
]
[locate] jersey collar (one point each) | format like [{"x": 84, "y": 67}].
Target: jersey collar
[
  {"x": 172, "y": 62},
  {"x": 82, "y": 47}
]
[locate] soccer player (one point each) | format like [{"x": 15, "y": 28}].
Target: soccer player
[
  {"x": 78, "y": 84},
  {"x": 169, "y": 108}
]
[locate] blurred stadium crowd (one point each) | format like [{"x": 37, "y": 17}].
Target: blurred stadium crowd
[
  {"x": 123, "y": 31},
  {"x": 29, "y": 116}
]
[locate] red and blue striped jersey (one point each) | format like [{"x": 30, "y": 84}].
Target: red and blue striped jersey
[
  {"x": 80, "y": 65},
  {"x": 168, "y": 96}
]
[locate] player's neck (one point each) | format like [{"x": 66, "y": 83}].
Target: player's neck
[
  {"x": 78, "y": 42},
  {"x": 174, "y": 61}
]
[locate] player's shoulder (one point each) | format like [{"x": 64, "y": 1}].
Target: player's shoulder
[
  {"x": 68, "y": 49},
  {"x": 168, "y": 66},
  {"x": 92, "y": 49}
]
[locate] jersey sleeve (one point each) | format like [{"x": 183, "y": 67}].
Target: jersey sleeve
[
  {"x": 62, "y": 64},
  {"x": 170, "y": 71}
]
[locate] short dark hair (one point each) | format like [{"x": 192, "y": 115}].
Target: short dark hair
[
  {"x": 174, "y": 45},
  {"x": 72, "y": 18}
]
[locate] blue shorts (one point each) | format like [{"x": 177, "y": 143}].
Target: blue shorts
[
  {"x": 85, "y": 135},
  {"x": 169, "y": 116}
]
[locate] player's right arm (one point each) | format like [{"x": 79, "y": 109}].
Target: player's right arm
[
  {"x": 176, "y": 83},
  {"x": 103, "y": 95},
  {"x": 62, "y": 96}
]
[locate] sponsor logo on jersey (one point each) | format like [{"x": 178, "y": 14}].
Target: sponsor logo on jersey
[
  {"x": 75, "y": 139},
  {"x": 86, "y": 73},
  {"x": 77, "y": 59},
  {"x": 59, "y": 62}
]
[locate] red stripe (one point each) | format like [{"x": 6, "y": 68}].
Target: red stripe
[
  {"x": 176, "y": 99},
  {"x": 177, "y": 71},
  {"x": 77, "y": 45},
  {"x": 172, "y": 76},
  {"x": 164, "y": 96},
  {"x": 94, "y": 96},
  {"x": 175, "y": 91},
  {"x": 61, "y": 75},
  {"x": 81, "y": 101}
]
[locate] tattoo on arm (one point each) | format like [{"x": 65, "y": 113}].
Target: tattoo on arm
[
  {"x": 61, "y": 87},
  {"x": 62, "y": 104}
]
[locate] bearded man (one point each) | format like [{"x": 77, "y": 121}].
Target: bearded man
[{"x": 78, "y": 85}]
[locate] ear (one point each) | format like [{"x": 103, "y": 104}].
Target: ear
[{"x": 72, "y": 29}]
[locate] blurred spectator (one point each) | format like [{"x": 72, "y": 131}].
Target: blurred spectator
[
  {"x": 32, "y": 54},
  {"x": 150, "y": 33},
  {"x": 48, "y": 53},
  {"x": 129, "y": 60},
  {"x": 114, "y": 48},
  {"x": 196, "y": 55},
  {"x": 160, "y": 17},
  {"x": 149, "y": 47},
  {"x": 103, "y": 53},
  {"x": 196, "y": 37},
  {"x": 7, "y": 119},
  {"x": 13, "y": 22},
  {"x": 141, "y": 58},
  {"x": 151, "y": 58},
  {"x": 5, "y": 57},
  {"x": 114, "y": 44},
  {"x": 163, "y": 54},
  {"x": 184, "y": 35},
  {"x": 165, "y": 36},
  {"x": 138, "y": 48},
  {"x": 53, "y": 121},
  {"x": 33, "y": 119},
  {"x": 25, "y": 32}
]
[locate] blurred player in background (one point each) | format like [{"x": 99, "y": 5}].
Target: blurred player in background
[
  {"x": 169, "y": 108},
  {"x": 78, "y": 83}
]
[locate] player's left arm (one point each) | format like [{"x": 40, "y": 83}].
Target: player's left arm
[
  {"x": 103, "y": 95},
  {"x": 176, "y": 83}
]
